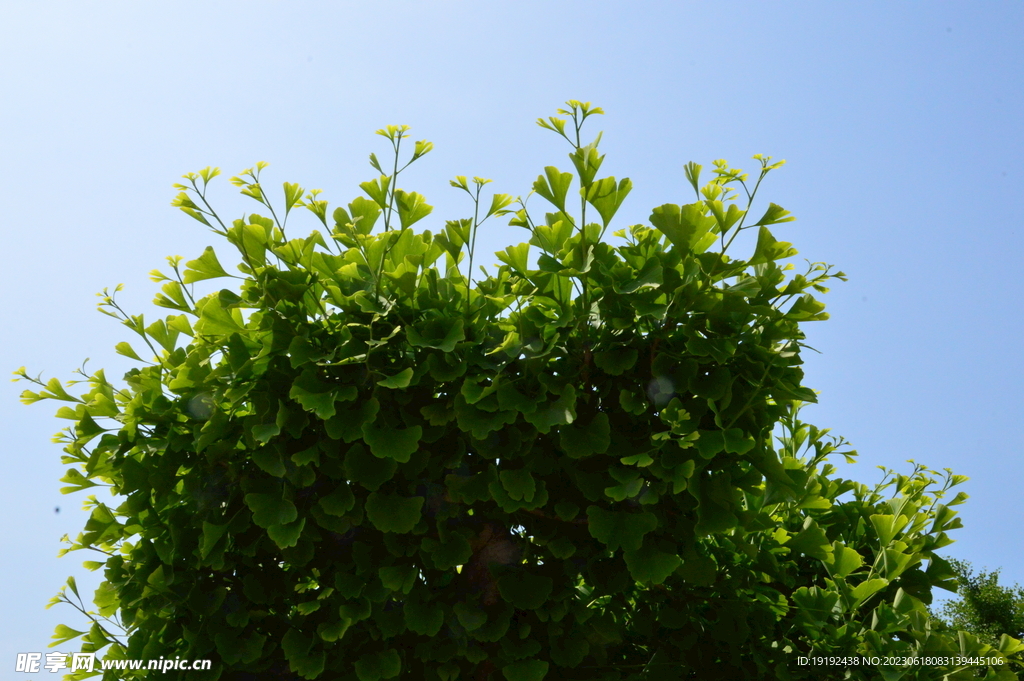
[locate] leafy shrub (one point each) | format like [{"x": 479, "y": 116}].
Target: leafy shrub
[{"x": 363, "y": 463}]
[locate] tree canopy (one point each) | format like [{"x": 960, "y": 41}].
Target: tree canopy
[
  {"x": 362, "y": 462},
  {"x": 984, "y": 607}
]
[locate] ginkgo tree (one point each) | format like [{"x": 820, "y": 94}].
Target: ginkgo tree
[{"x": 363, "y": 462}]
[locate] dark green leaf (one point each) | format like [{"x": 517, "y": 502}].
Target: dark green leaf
[
  {"x": 616, "y": 361},
  {"x": 580, "y": 440},
  {"x": 471, "y": 618},
  {"x": 519, "y": 484},
  {"x": 211, "y": 535},
  {"x": 392, "y": 443},
  {"x": 287, "y": 535},
  {"x": 393, "y": 513},
  {"x": 618, "y": 529},
  {"x": 398, "y": 577},
  {"x": 440, "y": 334},
  {"x": 524, "y": 590},
  {"x": 270, "y": 509},
  {"x": 649, "y": 565},
  {"x": 424, "y": 619},
  {"x": 339, "y": 502},
  {"x": 455, "y": 550},
  {"x": 378, "y": 665},
  {"x": 525, "y": 670}
]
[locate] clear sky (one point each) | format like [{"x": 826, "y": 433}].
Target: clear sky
[{"x": 902, "y": 125}]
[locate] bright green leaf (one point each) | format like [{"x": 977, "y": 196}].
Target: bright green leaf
[
  {"x": 684, "y": 226},
  {"x": 843, "y": 560},
  {"x": 411, "y": 207},
  {"x": 606, "y": 196},
  {"x": 815, "y": 605},
  {"x": 770, "y": 250},
  {"x": 888, "y": 526},
  {"x": 205, "y": 266},
  {"x": 866, "y": 590},
  {"x": 126, "y": 349},
  {"x": 63, "y": 634},
  {"x": 774, "y": 215},
  {"x": 399, "y": 380},
  {"x": 214, "y": 319},
  {"x": 553, "y": 186},
  {"x": 812, "y": 542},
  {"x": 516, "y": 257}
]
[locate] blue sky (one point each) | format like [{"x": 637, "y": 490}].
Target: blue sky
[{"x": 901, "y": 124}]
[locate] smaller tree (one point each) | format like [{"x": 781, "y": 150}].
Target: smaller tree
[{"x": 985, "y": 608}]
